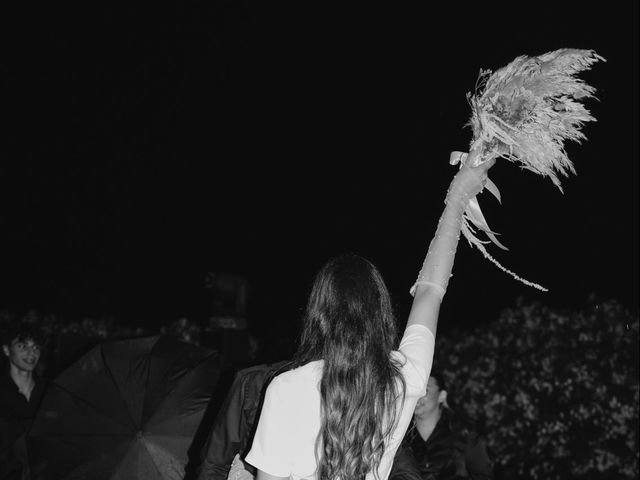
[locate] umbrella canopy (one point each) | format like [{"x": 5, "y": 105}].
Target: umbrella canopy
[{"x": 127, "y": 409}]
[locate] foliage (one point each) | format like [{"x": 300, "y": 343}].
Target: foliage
[{"x": 555, "y": 393}]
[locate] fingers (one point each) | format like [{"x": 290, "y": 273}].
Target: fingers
[
  {"x": 490, "y": 163},
  {"x": 486, "y": 165},
  {"x": 482, "y": 170},
  {"x": 471, "y": 158}
]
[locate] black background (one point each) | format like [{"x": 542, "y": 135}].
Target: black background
[{"x": 143, "y": 147}]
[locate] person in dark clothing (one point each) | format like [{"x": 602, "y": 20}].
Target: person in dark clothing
[
  {"x": 21, "y": 391},
  {"x": 439, "y": 446},
  {"x": 234, "y": 425}
]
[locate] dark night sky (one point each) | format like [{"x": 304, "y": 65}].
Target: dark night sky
[{"x": 142, "y": 148}]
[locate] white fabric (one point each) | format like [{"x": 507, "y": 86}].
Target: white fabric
[{"x": 285, "y": 439}]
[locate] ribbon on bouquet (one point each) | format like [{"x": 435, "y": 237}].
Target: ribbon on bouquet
[{"x": 473, "y": 213}]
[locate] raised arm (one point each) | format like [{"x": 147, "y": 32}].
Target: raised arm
[{"x": 431, "y": 285}]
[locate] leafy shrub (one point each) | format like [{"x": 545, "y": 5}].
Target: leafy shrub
[{"x": 555, "y": 393}]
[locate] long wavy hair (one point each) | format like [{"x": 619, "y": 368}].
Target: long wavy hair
[{"x": 349, "y": 323}]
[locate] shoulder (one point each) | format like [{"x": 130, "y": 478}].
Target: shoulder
[
  {"x": 41, "y": 380},
  {"x": 468, "y": 431},
  {"x": 305, "y": 375},
  {"x": 296, "y": 389},
  {"x": 291, "y": 400},
  {"x": 5, "y": 379},
  {"x": 457, "y": 423},
  {"x": 7, "y": 385},
  {"x": 467, "y": 427}
]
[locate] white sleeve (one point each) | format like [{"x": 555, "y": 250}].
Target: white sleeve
[
  {"x": 417, "y": 347},
  {"x": 271, "y": 450}
]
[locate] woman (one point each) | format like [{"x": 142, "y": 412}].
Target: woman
[
  {"x": 342, "y": 410},
  {"x": 440, "y": 446}
]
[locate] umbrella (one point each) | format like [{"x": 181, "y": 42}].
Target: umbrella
[{"x": 127, "y": 409}]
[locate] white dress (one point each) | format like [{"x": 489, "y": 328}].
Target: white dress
[{"x": 285, "y": 438}]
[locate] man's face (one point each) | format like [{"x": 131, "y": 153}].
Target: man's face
[
  {"x": 430, "y": 403},
  {"x": 23, "y": 354}
]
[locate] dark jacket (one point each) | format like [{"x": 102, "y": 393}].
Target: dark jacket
[
  {"x": 233, "y": 428},
  {"x": 451, "y": 452},
  {"x": 16, "y": 415}
]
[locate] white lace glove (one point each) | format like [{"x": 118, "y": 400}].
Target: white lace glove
[{"x": 438, "y": 264}]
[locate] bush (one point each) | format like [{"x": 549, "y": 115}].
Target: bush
[{"x": 555, "y": 393}]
